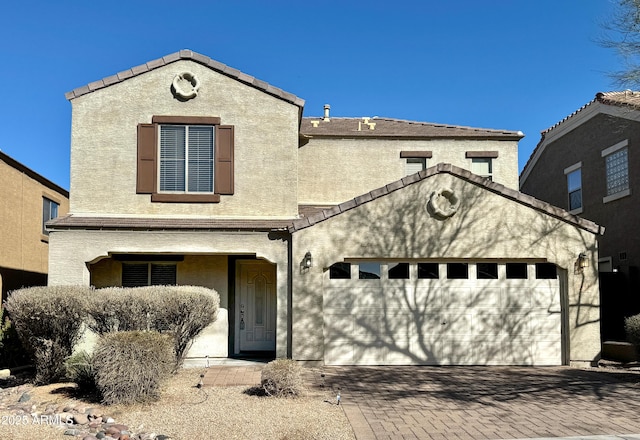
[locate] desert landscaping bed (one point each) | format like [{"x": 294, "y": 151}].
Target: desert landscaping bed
[{"x": 183, "y": 412}]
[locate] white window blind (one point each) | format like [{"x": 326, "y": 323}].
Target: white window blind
[
  {"x": 186, "y": 158},
  {"x": 415, "y": 165},
  {"x": 481, "y": 167}
]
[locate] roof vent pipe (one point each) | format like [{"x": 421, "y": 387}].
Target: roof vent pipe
[{"x": 327, "y": 107}]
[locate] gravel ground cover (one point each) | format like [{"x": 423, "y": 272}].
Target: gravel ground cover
[{"x": 187, "y": 412}]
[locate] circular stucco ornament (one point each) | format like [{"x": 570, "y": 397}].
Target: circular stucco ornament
[
  {"x": 185, "y": 85},
  {"x": 443, "y": 204}
]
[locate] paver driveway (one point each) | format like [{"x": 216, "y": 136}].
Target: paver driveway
[{"x": 486, "y": 402}]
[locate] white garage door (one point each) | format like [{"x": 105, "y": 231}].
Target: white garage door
[{"x": 388, "y": 313}]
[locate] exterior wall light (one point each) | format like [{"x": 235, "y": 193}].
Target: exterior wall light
[
  {"x": 583, "y": 261},
  {"x": 306, "y": 262}
]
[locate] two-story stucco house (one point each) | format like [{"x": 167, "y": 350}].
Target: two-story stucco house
[
  {"x": 587, "y": 164},
  {"x": 27, "y": 201},
  {"x": 330, "y": 240}
]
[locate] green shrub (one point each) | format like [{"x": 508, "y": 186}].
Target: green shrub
[
  {"x": 130, "y": 366},
  {"x": 183, "y": 311},
  {"x": 282, "y": 378},
  {"x": 48, "y": 321},
  {"x": 79, "y": 369},
  {"x": 632, "y": 329}
]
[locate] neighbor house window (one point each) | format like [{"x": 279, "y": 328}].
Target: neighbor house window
[
  {"x": 49, "y": 212},
  {"x": 415, "y": 161},
  {"x": 186, "y": 158},
  {"x": 482, "y": 167},
  {"x": 574, "y": 187},
  {"x": 482, "y": 162},
  {"x": 148, "y": 274},
  {"x": 617, "y": 170}
]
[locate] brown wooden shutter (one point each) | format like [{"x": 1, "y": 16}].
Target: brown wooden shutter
[
  {"x": 147, "y": 169},
  {"x": 224, "y": 160}
]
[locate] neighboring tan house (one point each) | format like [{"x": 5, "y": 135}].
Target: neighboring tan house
[
  {"x": 27, "y": 202},
  {"x": 329, "y": 240},
  {"x": 588, "y": 163}
]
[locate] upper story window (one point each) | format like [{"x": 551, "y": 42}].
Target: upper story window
[
  {"x": 574, "y": 187},
  {"x": 415, "y": 161},
  {"x": 617, "y": 171},
  {"x": 186, "y": 159},
  {"x": 482, "y": 162},
  {"x": 49, "y": 212}
]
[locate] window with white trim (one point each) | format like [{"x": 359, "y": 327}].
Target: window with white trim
[
  {"x": 482, "y": 166},
  {"x": 186, "y": 158},
  {"x": 49, "y": 212},
  {"x": 574, "y": 187},
  {"x": 617, "y": 169}
]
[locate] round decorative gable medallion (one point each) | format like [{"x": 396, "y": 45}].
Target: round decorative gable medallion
[
  {"x": 185, "y": 85},
  {"x": 443, "y": 204}
]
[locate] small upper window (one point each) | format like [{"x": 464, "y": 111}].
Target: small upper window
[
  {"x": 482, "y": 166},
  {"x": 415, "y": 165},
  {"x": 186, "y": 158},
  {"x": 49, "y": 212},
  {"x": 617, "y": 168},
  {"x": 574, "y": 188}
]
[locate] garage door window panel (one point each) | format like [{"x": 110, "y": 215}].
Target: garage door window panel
[
  {"x": 398, "y": 271},
  {"x": 516, "y": 271},
  {"x": 340, "y": 271},
  {"x": 369, "y": 271},
  {"x": 546, "y": 271},
  {"x": 428, "y": 271},
  {"x": 457, "y": 271},
  {"x": 487, "y": 271}
]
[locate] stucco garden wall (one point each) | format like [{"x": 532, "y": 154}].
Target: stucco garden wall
[
  {"x": 104, "y": 145},
  {"x": 335, "y": 170},
  {"x": 486, "y": 226},
  {"x": 205, "y": 264}
]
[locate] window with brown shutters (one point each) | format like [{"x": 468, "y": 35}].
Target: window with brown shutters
[{"x": 185, "y": 159}]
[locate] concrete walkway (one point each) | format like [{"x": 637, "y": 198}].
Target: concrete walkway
[{"x": 473, "y": 403}]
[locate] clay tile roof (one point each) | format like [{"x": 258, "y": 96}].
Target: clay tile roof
[
  {"x": 137, "y": 223},
  {"x": 397, "y": 128},
  {"x": 496, "y": 188},
  {"x": 187, "y": 54},
  {"x": 627, "y": 98}
]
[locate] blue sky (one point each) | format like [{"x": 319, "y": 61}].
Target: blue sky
[{"x": 504, "y": 64}]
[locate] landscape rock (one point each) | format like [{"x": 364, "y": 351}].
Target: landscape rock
[{"x": 80, "y": 419}]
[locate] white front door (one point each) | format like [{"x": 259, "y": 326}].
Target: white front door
[{"x": 256, "y": 306}]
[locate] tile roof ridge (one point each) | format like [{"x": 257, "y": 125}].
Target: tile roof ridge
[
  {"x": 186, "y": 54},
  {"x": 464, "y": 174}
]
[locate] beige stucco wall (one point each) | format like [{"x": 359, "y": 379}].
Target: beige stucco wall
[
  {"x": 486, "y": 226},
  {"x": 104, "y": 146},
  {"x": 335, "y": 170},
  {"x": 205, "y": 264},
  {"x": 23, "y": 246}
]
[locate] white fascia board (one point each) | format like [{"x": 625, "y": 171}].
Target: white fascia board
[{"x": 573, "y": 122}]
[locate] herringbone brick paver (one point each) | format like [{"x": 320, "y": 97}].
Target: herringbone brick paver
[{"x": 480, "y": 403}]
